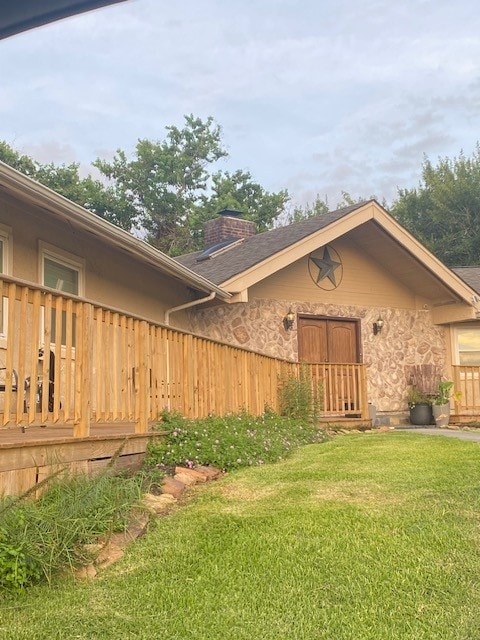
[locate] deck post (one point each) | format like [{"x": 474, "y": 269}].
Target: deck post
[
  {"x": 364, "y": 396},
  {"x": 83, "y": 409},
  {"x": 141, "y": 422}
]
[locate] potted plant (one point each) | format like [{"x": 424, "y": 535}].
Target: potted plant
[
  {"x": 420, "y": 406},
  {"x": 441, "y": 402}
]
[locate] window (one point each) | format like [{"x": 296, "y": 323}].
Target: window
[
  {"x": 468, "y": 344},
  {"x": 63, "y": 272}
]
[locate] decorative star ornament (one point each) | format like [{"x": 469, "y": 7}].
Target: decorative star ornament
[{"x": 326, "y": 268}]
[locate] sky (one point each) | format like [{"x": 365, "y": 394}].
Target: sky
[{"x": 317, "y": 97}]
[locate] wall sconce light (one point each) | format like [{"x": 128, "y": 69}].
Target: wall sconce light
[
  {"x": 289, "y": 320},
  {"x": 377, "y": 326}
]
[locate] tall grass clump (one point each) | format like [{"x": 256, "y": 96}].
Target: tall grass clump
[
  {"x": 300, "y": 397},
  {"x": 41, "y": 537},
  {"x": 230, "y": 442}
]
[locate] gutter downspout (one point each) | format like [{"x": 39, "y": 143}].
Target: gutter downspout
[{"x": 193, "y": 303}]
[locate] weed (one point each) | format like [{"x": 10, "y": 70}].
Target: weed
[{"x": 300, "y": 397}]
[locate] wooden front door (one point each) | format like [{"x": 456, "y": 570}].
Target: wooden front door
[
  {"x": 327, "y": 340},
  {"x": 333, "y": 345}
]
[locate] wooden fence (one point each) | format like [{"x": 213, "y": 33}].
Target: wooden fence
[{"x": 66, "y": 360}]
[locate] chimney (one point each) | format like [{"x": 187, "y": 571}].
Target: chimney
[{"x": 228, "y": 225}]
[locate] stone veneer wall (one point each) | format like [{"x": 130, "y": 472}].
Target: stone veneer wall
[{"x": 408, "y": 338}]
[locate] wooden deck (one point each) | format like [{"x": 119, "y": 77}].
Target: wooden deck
[
  {"x": 15, "y": 436},
  {"x": 29, "y": 456}
]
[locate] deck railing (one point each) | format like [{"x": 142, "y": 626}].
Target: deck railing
[
  {"x": 67, "y": 360},
  {"x": 467, "y": 381},
  {"x": 343, "y": 386}
]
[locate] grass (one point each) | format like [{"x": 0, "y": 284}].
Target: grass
[{"x": 363, "y": 537}]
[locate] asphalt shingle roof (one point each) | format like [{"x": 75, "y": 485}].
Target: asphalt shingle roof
[
  {"x": 257, "y": 248},
  {"x": 471, "y": 275}
]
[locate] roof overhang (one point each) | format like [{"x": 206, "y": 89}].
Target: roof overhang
[
  {"x": 20, "y": 15},
  {"x": 24, "y": 189},
  {"x": 378, "y": 234}
]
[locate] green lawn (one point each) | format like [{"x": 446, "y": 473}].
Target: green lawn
[{"x": 366, "y": 536}]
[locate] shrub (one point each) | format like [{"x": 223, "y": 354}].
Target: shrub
[{"x": 230, "y": 442}]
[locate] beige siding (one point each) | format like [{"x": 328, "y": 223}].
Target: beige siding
[
  {"x": 364, "y": 283},
  {"x": 111, "y": 277}
]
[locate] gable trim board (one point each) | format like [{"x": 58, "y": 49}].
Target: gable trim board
[
  {"x": 371, "y": 211},
  {"x": 291, "y": 253},
  {"x": 24, "y": 189}
]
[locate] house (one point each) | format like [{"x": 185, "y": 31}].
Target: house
[
  {"x": 99, "y": 332},
  {"x": 360, "y": 289}
]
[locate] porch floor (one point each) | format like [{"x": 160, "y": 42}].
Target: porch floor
[{"x": 58, "y": 433}]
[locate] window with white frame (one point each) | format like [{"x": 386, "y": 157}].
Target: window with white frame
[
  {"x": 467, "y": 344},
  {"x": 64, "y": 272},
  {"x": 60, "y": 276}
]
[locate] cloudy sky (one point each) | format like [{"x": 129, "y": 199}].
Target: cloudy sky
[{"x": 318, "y": 96}]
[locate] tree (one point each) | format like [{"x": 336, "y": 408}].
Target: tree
[
  {"x": 66, "y": 180},
  {"x": 171, "y": 185},
  {"x": 301, "y": 212},
  {"x": 320, "y": 206},
  {"x": 166, "y": 180},
  {"x": 22, "y": 163},
  {"x": 238, "y": 191},
  {"x": 168, "y": 189},
  {"x": 444, "y": 210}
]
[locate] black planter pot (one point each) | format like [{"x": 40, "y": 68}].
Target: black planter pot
[{"x": 421, "y": 413}]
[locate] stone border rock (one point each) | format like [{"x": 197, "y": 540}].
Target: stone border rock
[{"x": 173, "y": 487}]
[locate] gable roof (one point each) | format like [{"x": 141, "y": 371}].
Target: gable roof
[
  {"x": 15, "y": 184},
  {"x": 373, "y": 231},
  {"x": 255, "y": 249}
]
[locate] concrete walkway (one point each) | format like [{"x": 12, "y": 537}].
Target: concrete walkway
[{"x": 473, "y": 436}]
